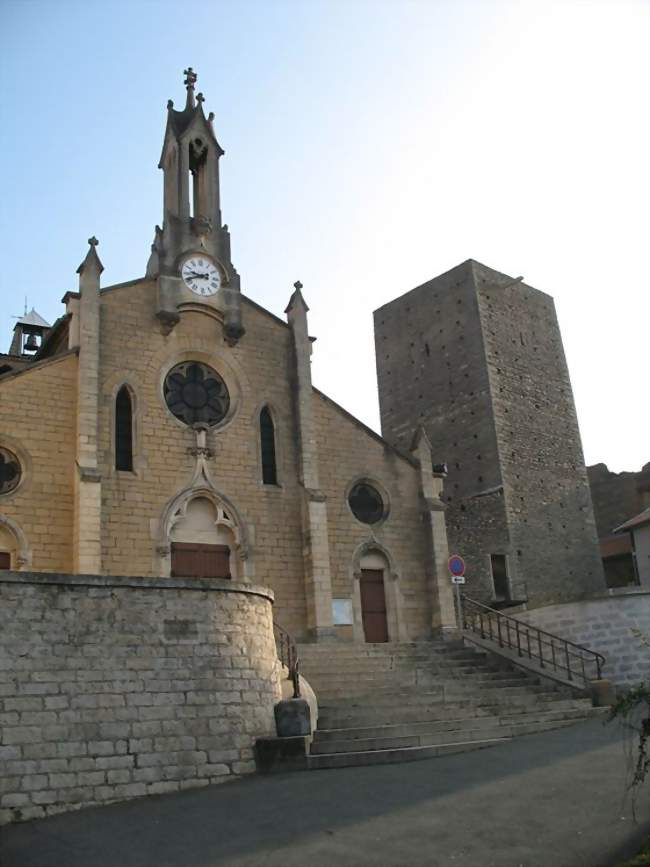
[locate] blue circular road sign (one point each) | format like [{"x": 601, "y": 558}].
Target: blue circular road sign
[{"x": 456, "y": 565}]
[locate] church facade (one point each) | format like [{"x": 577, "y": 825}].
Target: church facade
[{"x": 168, "y": 427}]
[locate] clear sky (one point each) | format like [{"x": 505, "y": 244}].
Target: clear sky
[{"x": 369, "y": 147}]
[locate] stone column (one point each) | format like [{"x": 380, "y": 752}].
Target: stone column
[
  {"x": 443, "y": 612},
  {"x": 88, "y": 492},
  {"x": 316, "y": 551}
]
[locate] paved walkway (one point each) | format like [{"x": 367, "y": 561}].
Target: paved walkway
[{"x": 550, "y": 800}]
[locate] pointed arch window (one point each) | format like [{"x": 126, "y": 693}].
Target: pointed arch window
[
  {"x": 267, "y": 441},
  {"x": 124, "y": 430}
]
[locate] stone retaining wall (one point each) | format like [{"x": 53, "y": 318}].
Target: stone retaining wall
[
  {"x": 607, "y": 624},
  {"x": 113, "y": 688}
]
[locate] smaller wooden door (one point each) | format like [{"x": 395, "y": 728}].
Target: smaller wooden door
[
  {"x": 373, "y": 606},
  {"x": 5, "y": 560},
  {"x": 190, "y": 560}
]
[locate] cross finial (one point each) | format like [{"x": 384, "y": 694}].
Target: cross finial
[
  {"x": 297, "y": 285},
  {"x": 190, "y": 77},
  {"x": 93, "y": 241}
]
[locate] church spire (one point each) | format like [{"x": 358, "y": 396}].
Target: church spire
[
  {"x": 190, "y": 80},
  {"x": 192, "y": 224}
]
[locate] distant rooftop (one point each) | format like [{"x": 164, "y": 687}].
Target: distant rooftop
[{"x": 33, "y": 318}]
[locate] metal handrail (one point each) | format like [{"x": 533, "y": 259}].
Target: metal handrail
[
  {"x": 528, "y": 640},
  {"x": 288, "y": 656}
]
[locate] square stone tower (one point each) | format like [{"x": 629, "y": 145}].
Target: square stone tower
[{"x": 476, "y": 358}]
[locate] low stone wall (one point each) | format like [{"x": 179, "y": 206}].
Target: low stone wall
[
  {"x": 607, "y": 624},
  {"x": 113, "y": 688}
]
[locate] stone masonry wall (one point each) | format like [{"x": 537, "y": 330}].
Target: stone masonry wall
[
  {"x": 612, "y": 625},
  {"x": 113, "y": 688},
  {"x": 617, "y": 497},
  {"x": 477, "y": 358},
  {"x": 348, "y": 453},
  {"x": 431, "y": 370},
  {"x": 38, "y": 422},
  {"x": 256, "y": 370},
  {"x": 554, "y": 552}
]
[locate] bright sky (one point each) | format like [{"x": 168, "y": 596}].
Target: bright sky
[{"x": 369, "y": 147}]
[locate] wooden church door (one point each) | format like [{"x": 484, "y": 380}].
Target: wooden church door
[
  {"x": 192, "y": 560},
  {"x": 373, "y": 606}
]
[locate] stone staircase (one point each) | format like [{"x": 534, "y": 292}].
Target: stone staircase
[{"x": 383, "y": 703}]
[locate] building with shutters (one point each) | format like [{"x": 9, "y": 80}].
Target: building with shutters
[{"x": 168, "y": 427}]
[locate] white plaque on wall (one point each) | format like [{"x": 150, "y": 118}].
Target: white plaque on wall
[{"x": 342, "y": 612}]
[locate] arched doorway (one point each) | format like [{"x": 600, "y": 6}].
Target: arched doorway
[
  {"x": 372, "y": 590},
  {"x": 203, "y": 541},
  {"x": 14, "y": 551},
  {"x": 7, "y": 549}
]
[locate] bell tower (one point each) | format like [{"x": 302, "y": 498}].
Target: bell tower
[{"x": 190, "y": 255}]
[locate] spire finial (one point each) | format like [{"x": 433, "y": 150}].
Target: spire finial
[
  {"x": 190, "y": 78},
  {"x": 190, "y": 81},
  {"x": 296, "y": 300},
  {"x": 92, "y": 260}
]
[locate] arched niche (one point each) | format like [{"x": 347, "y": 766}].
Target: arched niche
[
  {"x": 201, "y": 517},
  {"x": 14, "y": 543}
]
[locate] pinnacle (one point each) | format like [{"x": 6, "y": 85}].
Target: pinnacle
[{"x": 92, "y": 260}]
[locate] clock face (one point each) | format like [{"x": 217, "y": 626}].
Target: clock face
[{"x": 201, "y": 275}]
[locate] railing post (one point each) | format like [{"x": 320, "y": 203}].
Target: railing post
[
  {"x": 568, "y": 661},
  {"x": 473, "y": 617}
]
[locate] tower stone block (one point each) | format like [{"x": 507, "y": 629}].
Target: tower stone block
[{"x": 476, "y": 358}]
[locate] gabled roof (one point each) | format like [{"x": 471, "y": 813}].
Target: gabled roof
[
  {"x": 637, "y": 521},
  {"x": 34, "y": 319}
]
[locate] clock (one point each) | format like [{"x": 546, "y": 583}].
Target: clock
[{"x": 201, "y": 275}]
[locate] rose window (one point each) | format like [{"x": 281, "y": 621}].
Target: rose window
[
  {"x": 366, "y": 503},
  {"x": 196, "y": 394},
  {"x": 9, "y": 471}
]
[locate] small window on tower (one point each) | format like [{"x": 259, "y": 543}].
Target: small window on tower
[
  {"x": 124, "y": 430},
  {"x": 267, "y": 442},
  {"x": 500, "y": 579}
]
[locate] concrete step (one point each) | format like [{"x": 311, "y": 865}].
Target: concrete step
[
  {"x": 391, "y": 756},
  {"x": 332, "y": 673},
  {"x": 346, "y": 717},
  {"x": 367, "y": 687},
  {"x": 449, "y": 725},
  {"x": 353, "y": 652},
  {"x": 401, "y": 702},
  {"x": 493, "y": 731},
  {"x": 431, "y": 695}
]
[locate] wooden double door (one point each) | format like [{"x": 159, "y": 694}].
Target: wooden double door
[
  {"x": 373, "y": 606},
  {"x": 191, "y": 560}
]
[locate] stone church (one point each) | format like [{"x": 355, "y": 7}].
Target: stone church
[
  {"x": 174, "y": 493},
  {"x": 168, "y": 426}
]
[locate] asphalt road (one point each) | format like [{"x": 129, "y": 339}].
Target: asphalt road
[{"x": 556, "y": 799}]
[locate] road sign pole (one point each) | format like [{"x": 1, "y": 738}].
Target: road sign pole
[{"x": 457, "y": 569}]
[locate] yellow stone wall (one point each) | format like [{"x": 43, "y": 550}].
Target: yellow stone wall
[
  {"x": 38, "y": 422},
  {"x": 133, "y": 350},
  {"x": 347, "y": 453},
  {"x": 38, "y": 409}
]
